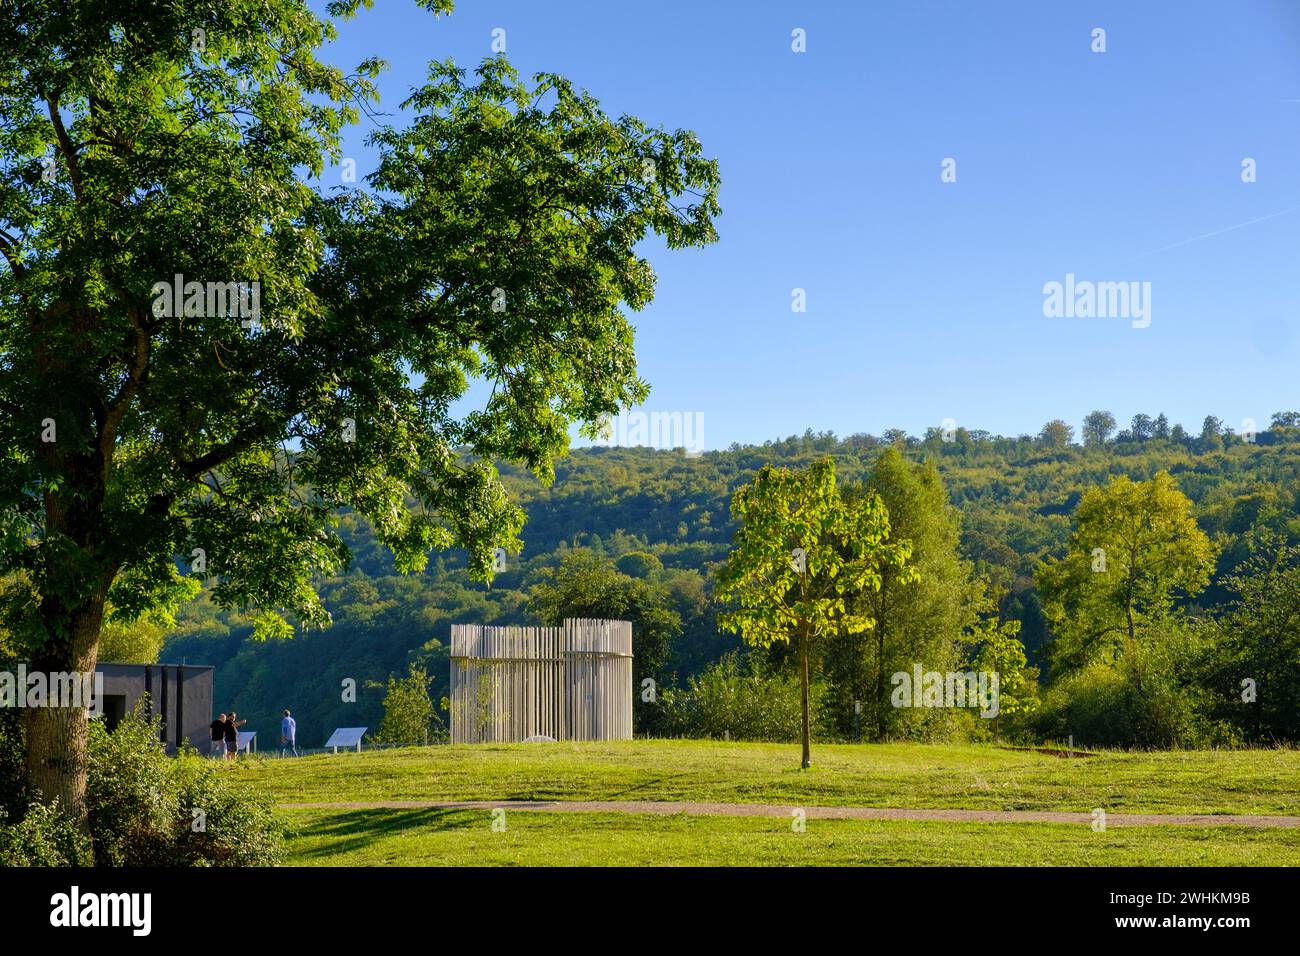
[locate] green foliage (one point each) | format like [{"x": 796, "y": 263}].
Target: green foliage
[
  {"x": 998, "y": 650},
  {"x": 1015, "y": 504},
  {"x": 1113, "y": 603},
  {"x": 1056, "y": 434},
  {"x": 1098, "y": 426},
  {"x": 1136, "y": 549},
  {"x": 1093, "y": 704},
  {"x": 409, "y": 712},
  {"x": 640, "y": 564},
  {"x": 732, "y": 700},
  {"x": 270, "y": 626},
  {"x": 1252, "y": 668},
  {"x": 43, "y": 837},
  {"x": 802, "y": 558},
  {"x": 239, "y": 825},
  {"x": 138, "y": 641},
  {"x": 145, "y": 809},
  {"x": 800, "y": 554},
  {"x": 12, "y": 791},
  {"x": 132, "y": 803},
  {"x": 497, "y": 241},
  {"x": 1148, "y": 699},
  {"x": 920, "y": 612},
  {"x": 142, "y": 806}
]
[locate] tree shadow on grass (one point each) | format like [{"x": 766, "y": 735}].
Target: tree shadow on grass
[{"x": 357, "y": 829}]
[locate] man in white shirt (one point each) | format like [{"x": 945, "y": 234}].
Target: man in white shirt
[{"x": 288, "y": 735}]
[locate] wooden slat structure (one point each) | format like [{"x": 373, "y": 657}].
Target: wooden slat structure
[{"x": 572, "y": 682}]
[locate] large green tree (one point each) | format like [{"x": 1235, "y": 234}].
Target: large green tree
[
  {"x": 1135, "y": 552},
  {"x": 495, "y": 240},
  {"x": 920, "y": 611},
  {"x": 1098, "y": 426},
  {"x": 801, "y": 558}
]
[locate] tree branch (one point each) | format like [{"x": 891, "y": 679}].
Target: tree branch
[{"x": 65, "y": 144}]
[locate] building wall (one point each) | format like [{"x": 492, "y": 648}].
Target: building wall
[{"x": 186, "y": 690}]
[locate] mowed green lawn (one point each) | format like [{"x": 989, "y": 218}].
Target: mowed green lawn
[
  {"x": 431, "y": 837},
  {"x": 869, "y": 775},
  {"x": 889, "y": 775}
]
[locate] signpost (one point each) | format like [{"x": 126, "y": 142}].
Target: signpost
[{"x": 346, "y": 737}]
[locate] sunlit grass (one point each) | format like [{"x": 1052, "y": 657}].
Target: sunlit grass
[
  {"x": 885, "y": 775},
  {"x": 431, "y": 837}
]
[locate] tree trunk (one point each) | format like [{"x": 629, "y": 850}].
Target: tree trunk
[
  {"x": 1132, "y": 643},
  {"x": 882, "y": 715},
  {"x": 803, "y": 695},
  {"x": 57, "y": 736}
]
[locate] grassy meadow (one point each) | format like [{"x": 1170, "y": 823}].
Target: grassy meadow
[{"x": 914, "y": 776}]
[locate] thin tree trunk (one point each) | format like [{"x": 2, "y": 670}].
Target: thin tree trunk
[
  {"x": 882, "y": 715},
  {"x": 1132, "y": 643},
  {"x": 803, "y": 694}
]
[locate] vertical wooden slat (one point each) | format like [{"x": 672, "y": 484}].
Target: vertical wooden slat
[{"x": 572, "y": 682}]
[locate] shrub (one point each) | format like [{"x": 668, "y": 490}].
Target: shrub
[
  {"x": 1091, "y": 705},
  {"x": 1148, "y": 700},
  {"x": 43, "y": 837},
  {"x": 147, "y": 809},
  {"x": 129, "y": 796},
  {"x": 730, "y": 699},
  {"x": 219, "y": 823},
  {"x": 143, "y": 806}
]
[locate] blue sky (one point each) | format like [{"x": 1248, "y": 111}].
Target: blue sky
[{"x": 924, "y": 298}]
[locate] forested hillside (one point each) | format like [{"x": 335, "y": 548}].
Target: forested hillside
[{"x": 657, "y": 525}]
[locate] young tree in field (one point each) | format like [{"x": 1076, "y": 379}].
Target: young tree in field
[
  {"x": 151, "y": 148},
  {"x": 409, "y": 712},
  {"x": 801, "y": 555},
  {"x": 1135, "y": 550}
]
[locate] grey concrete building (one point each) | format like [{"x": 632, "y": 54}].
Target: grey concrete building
[{"x": 179, "y": 693}]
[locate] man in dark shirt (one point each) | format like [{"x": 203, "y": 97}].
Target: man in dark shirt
[
  {"x": 218, "y": 728},
  {"x": 232, "y": 735}
]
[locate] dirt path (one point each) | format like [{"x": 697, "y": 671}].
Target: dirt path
[{"x": 812, "y": 813}]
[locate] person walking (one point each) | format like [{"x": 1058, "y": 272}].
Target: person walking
[{"x": 288, "y": 734}]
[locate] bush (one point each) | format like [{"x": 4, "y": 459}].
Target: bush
[
  {"x": 729, "y": 699},
  {"x": 1091, "y": 704},
  {"x": 43, "y": 837},
  {"x": 130, "y": 800},
  {"x": 1101, "y": 704},
  {"x": 143, "y": 806},
  {"x": 232, "y": 827},
  {"x": 146, "y": 809}
]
